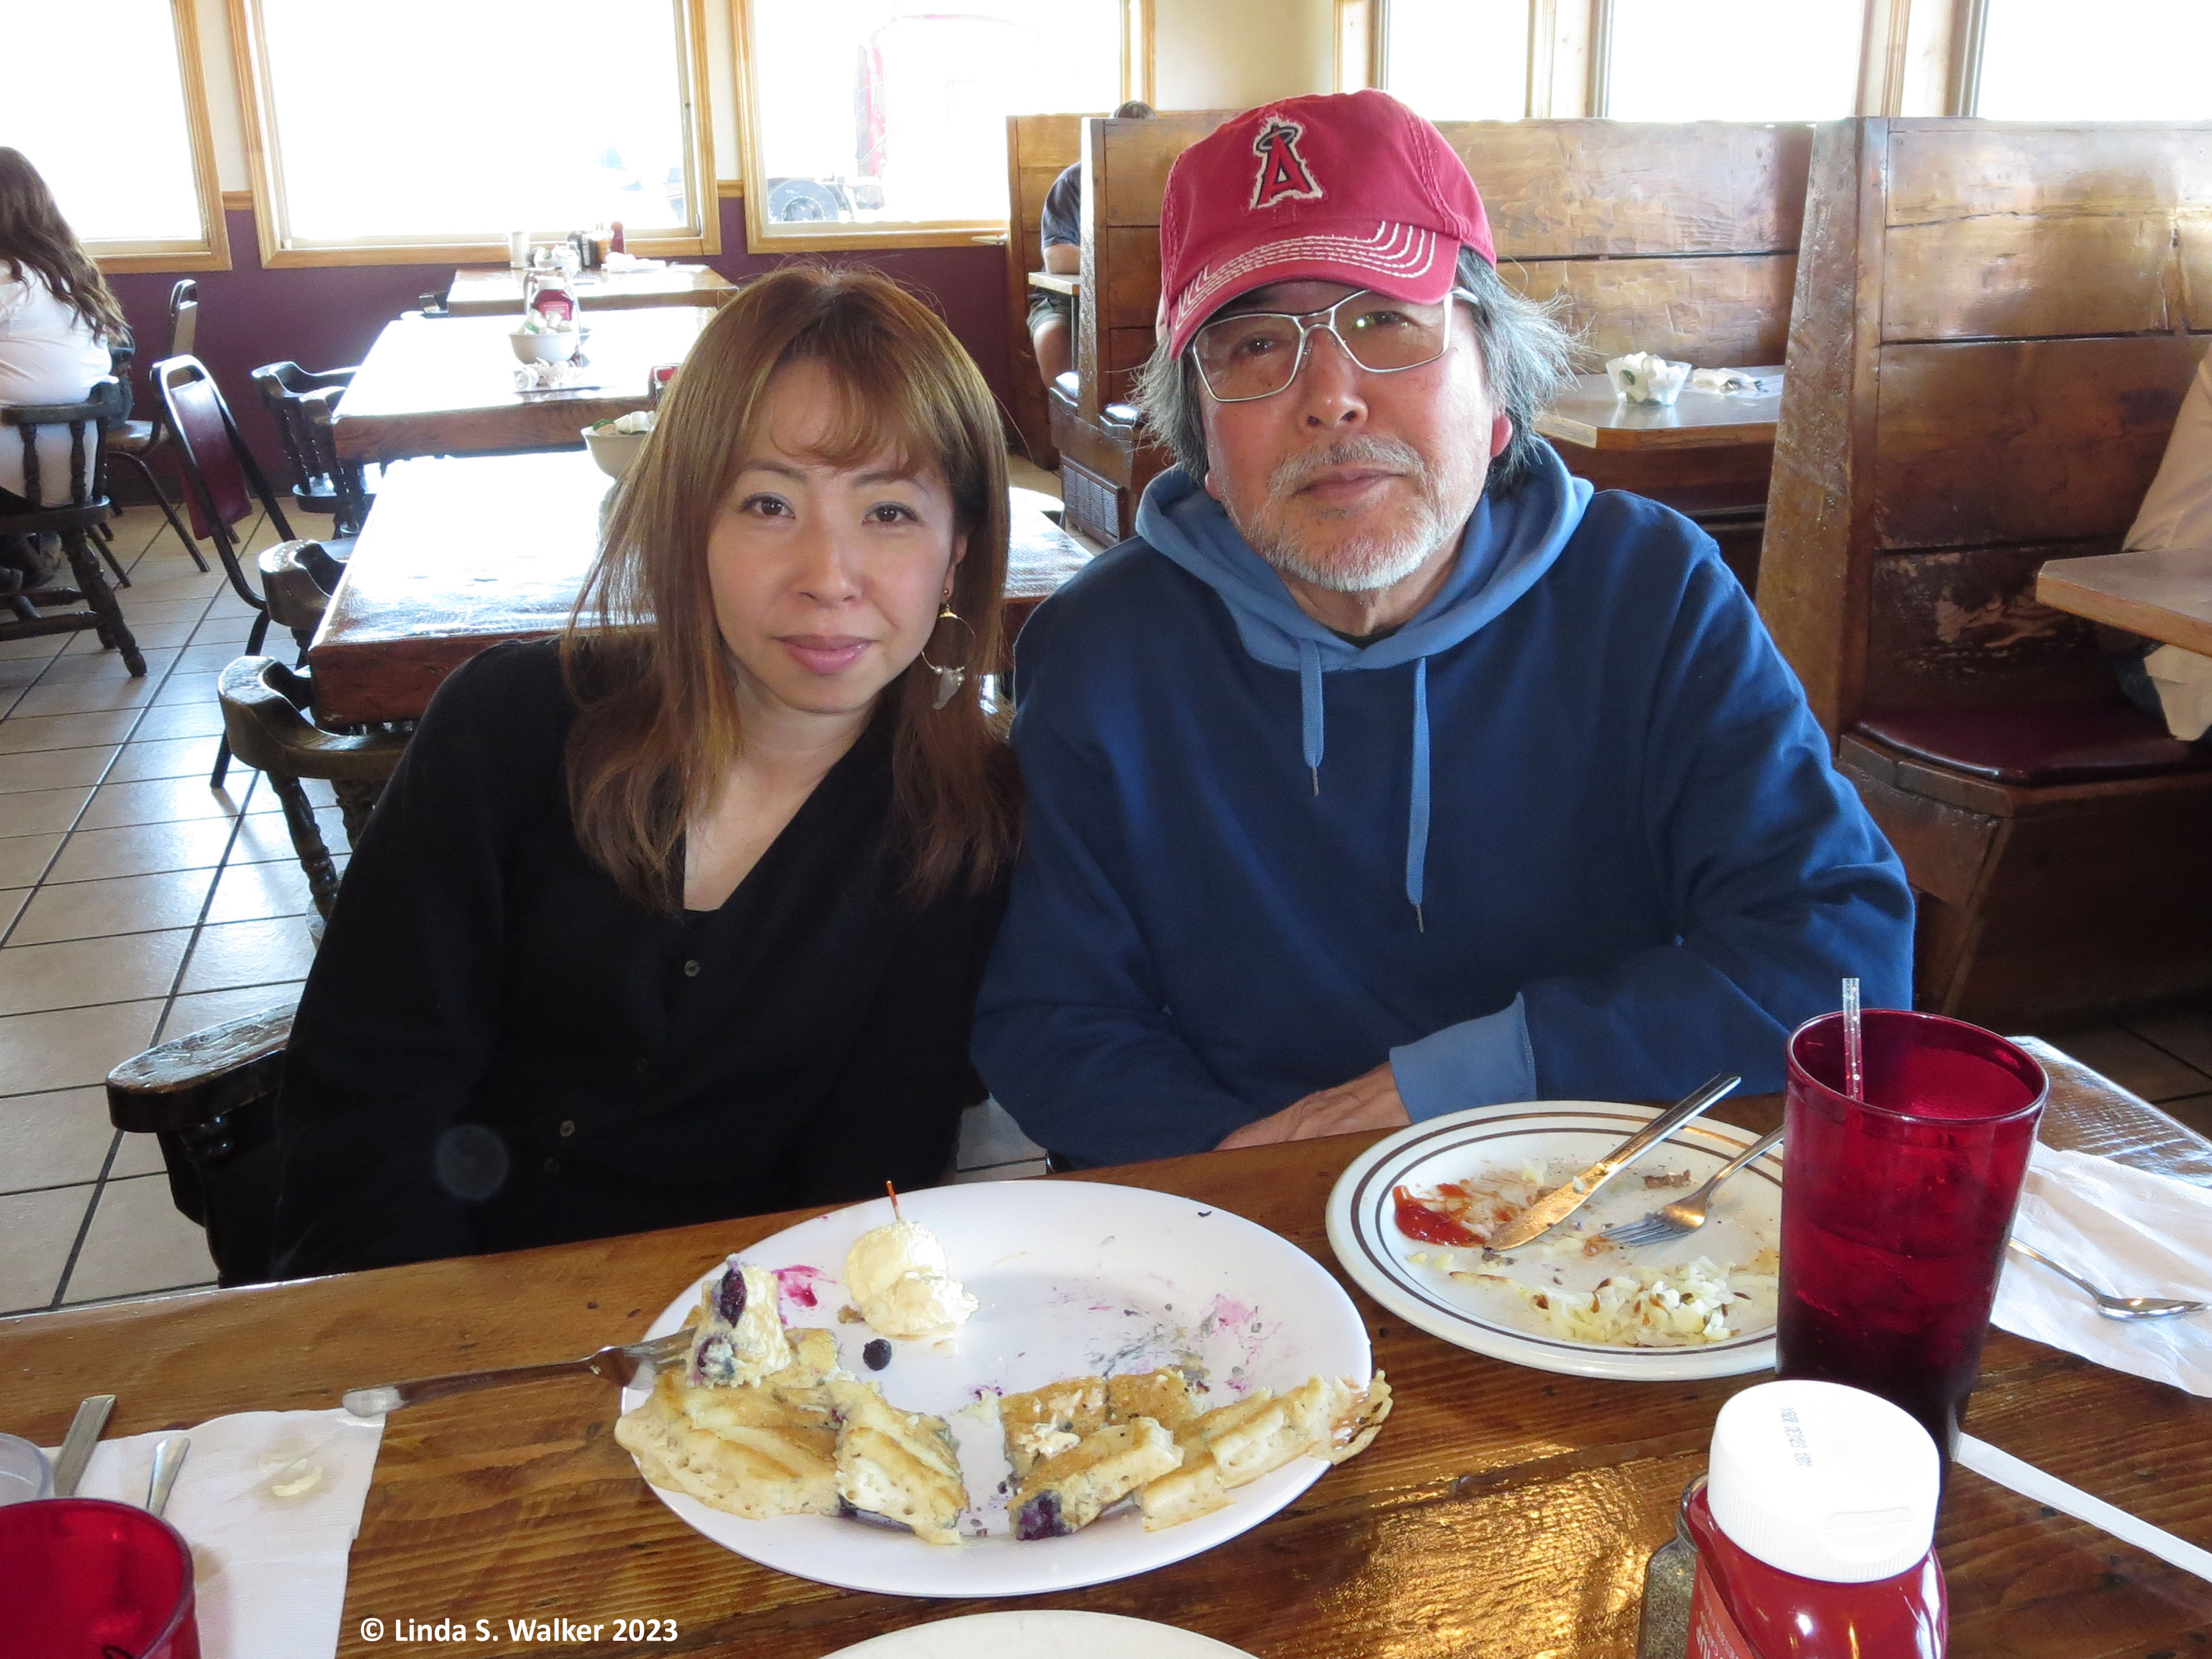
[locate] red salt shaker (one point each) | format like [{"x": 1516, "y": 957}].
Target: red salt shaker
[{"x": 1815, "y": 1530}]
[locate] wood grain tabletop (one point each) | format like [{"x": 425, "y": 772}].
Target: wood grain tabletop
[
  {"x": 1591, "y": 415},
  {"x": 2164, "y": 596},
  {"x": 496, "y": 291},
  {"x": 446, "y": 385},
  {"x": 1502, "y": 1512}
]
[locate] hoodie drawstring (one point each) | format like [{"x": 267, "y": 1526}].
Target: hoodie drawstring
[
  {"x": 1417, "y": 810},
  {"x": 1309, "y": 697},
  {"x": 1417, "y": 813}
]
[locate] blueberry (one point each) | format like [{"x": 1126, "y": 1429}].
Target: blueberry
[
  {"x": 730, "y": 1295},
  {"x": 875, "y": 1355},
  {"x": 1041, "y": 1518}
]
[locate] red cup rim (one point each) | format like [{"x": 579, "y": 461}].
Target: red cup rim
[
  {"x": 2035, "y": 1105},
  {"x": 185, "y": 1599}
]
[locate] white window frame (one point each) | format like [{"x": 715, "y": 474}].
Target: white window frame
[
  {"x": 280, "y": 249},
  {"x": 210, "y": 249}
]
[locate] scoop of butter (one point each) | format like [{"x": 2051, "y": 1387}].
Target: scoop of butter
[{"x": 896, "y": 1275}]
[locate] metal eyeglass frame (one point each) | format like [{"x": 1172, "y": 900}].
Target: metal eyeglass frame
[{"x": 1326, "y": 325}]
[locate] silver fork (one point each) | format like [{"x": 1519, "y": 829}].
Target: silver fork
[
  {"x": 617, "y": 1365},
  {"x": 2118, "y": 1307},
  {"x": 1684, "y": 1215}
]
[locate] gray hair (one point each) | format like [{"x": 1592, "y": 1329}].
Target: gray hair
[{"x": 1527, "y": 357}]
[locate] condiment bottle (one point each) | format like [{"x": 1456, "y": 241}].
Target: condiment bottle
[
  {"x": 1815, "y": 1530},
  {"x": 615, "y": 243}
]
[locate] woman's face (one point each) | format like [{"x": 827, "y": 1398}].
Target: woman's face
[{"x": 826, "y": 582}]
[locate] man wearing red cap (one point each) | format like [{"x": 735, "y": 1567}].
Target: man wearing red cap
[{"x": 1386, "y": 771}]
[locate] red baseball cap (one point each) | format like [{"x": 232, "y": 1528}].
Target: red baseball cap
[{"x": 1347, "y": 187}]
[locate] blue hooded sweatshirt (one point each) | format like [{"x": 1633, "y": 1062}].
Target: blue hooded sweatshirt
[{"x": 1571, "y": 833}]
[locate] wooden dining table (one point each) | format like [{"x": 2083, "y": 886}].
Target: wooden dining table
[
  {"x": 497, "y": 291},
  {"x": 1502, "y": 1512},
  {"x": 1591, "y": 414},
  {"x": 447, "y": 387},
  {"x": 461, "y": 553},
  {"x": 2166, "y": 596}
]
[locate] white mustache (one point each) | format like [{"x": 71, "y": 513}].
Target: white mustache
[{"x": 1293, "y": 474}]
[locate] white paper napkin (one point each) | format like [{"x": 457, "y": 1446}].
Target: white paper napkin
[
  {"x": 269, "y": 1570},
  {"x": 2130, "y": 1232}
]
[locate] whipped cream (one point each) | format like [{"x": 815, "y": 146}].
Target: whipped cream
[{"x": 898, "y": 1276}]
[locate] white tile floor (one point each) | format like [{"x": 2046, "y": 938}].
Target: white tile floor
[{"x": 137, "y": 905}]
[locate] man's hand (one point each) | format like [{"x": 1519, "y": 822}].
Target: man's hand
[{"x": 1369, "y": 1101}]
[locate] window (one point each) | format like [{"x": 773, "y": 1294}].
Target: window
[
  {"x": 2129, "y": 60},
  {"x": 883, "y": 122},
  {"x": 118, "y": 130},
  {"x": 430, "y": 128},
  {"x": 1458, "y": 60},
  {"x": 1733, "y": 60}
]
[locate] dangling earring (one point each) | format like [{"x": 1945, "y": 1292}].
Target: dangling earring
[{"x": 948, "y": 680}]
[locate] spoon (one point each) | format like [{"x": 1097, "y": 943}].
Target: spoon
[
  {"x": 2118, "y": 1307},
  {"x": 169, "y": 1458}
]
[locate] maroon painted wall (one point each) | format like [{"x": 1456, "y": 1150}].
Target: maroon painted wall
[{"x": 327, "y": 316}]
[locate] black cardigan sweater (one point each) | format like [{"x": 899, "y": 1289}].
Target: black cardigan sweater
[{"x": 497, "y": 1049}]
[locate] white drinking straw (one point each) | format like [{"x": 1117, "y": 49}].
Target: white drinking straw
[
  {"x": 1854, "y": 1042},
  {"x": 2045, "y": 1488}
]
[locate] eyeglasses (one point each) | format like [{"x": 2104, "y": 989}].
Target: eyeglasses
[{"x": 1256, "y": 354}]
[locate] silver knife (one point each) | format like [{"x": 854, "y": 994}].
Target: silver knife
[
  {"x": 76, "y": 1446},
  {"x": 1562, "y": 1201}
]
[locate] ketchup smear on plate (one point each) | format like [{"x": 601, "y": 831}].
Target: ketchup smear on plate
[{"x": 1417, "y": 1221}]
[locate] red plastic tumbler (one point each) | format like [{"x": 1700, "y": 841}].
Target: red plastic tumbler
[
  {"x": 83, "y": 1578},
  {"x": 1895, "y": 1209}
]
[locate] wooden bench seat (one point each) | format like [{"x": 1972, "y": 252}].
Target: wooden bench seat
[{"x": 1993, "y": 329}]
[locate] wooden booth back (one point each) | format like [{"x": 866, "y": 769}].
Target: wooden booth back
[
  {"x": 1039, "y": 148},
  {"x": 1995, "y": 326},
  {"x": 1678, "y": 238}
]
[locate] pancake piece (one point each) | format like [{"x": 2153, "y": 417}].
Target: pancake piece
[
  {"x": 1235, "y": 1444},
  {"x": 1163, "y": 1396},
  {"x": 899, "y": 1465},
  {"x": 740, "y": 1450},
  {"x": 1068, "y": 1491},
  {"x": 1051, "y": 1419}
]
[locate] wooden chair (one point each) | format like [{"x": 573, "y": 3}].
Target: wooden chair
[
  {"x": 211, "y": 1098},
  {"x": 1992, "y": 334},
  {"x": 1679, "y": 237},
  {"x": 74, "y": 521},
  {"x": 1039, "y": 148},
  {"x": 131, "y": 441},
  {"x": 265, "y": 715},
  {"x": 321, "y": 482}
]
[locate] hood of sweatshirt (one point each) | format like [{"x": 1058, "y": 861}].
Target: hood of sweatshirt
[{"x": 1505, "y": 551}]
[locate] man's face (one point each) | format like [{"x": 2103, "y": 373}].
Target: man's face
[{"x": 1346, "y": 478}]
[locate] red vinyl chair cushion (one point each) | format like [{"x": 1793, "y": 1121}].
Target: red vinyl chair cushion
[{"x": 2071, "y": 744}]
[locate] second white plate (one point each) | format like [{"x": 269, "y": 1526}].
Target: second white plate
[{"x": 1746, "y": 1218}]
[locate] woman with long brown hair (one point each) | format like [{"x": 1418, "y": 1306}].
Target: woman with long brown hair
[
  {"x": 681, "y": 916},
  {"x": 56, "y": 317}
]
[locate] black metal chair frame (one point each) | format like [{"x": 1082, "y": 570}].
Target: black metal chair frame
[
  {"x": 184, "y": 329},
  {"x": 74, "y": 523}
]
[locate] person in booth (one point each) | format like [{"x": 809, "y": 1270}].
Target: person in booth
[
  {"x": 1060, "y": 226},
  {"x": 680, "y": 916},
  {"x": 1386, "y": 771}
]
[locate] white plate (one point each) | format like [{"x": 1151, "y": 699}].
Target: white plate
[
  {"x": 1745, "y": 1217},
  {"x": 1032, "y": 1635},
  {"x": 1075, "y": 1278}
]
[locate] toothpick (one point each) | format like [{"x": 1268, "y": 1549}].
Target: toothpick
[{"x": 893, "y": 1191}]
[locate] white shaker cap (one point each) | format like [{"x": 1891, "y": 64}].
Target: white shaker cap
[{"x": 1824, "y": 1481}]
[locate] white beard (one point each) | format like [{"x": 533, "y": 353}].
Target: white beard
[{"x": 1361, "y": 562}]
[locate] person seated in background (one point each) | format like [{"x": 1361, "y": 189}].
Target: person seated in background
[
  {"x": 680, "y": 916},
  {"x": 56, "y": 317},
  {"x": 1386, "y": 771},
  {"x": 1052, "y": 316},
  {"x": 2176, "y": 517}
]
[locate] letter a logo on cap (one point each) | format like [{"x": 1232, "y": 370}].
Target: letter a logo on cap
[{"x": 1284, "y": 175}]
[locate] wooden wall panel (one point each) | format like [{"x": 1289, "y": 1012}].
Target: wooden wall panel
[
  {"x": 1716, "y": 313},
  {"x": 1130, "y": 296},
  {"x": 1994, "y": 276},
  {"x": 1964, "y": 629},
  {"x": 2022, "y": 440},
  {"x": 1578, "y": 189},
  {"x": 1138, "y": 154}
]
